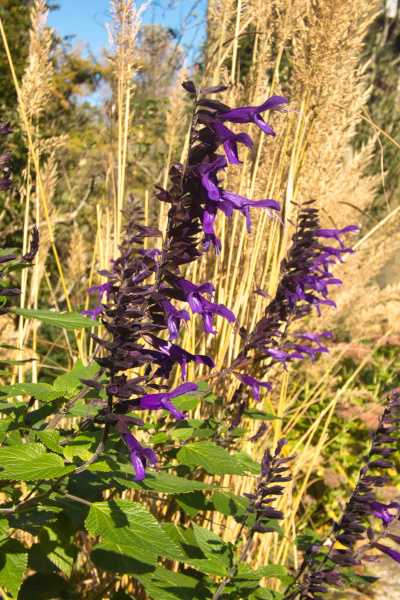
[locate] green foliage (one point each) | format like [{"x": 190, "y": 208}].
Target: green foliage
[
  {"x": 130, "y": 524},
  {"x": 68, "y": 321}
]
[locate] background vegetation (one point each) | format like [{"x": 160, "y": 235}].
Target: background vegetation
[{"x": 337, "y": 61}]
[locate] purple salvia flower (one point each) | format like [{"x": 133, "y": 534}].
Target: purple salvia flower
[
  {"x": 230, "y": 142},
  {"x": 140, "y": 456},
  {"x": 381, "y": 511},
  {"x": 388, "y": 551},
  {"x": 163, "y": 401},
  {"x": 283, "y": 357},
  {"x": 336, "y": 233},
  {"x": 253, "y": 383},
  {"x": 252, "y": 114}
]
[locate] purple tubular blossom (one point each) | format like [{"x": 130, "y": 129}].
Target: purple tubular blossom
[
  {"x": 233, "y": 201},
  {"x": 230, "y": 142},
  {"x": 252, "y": 114},
  {"x": 389, "y": 551},
  {"x": 201, "y": 305},
  {"x": 336, "y": 233},
  {"x": 381, "y": 511},
  {"x": 253, "y": 383},
  {"x": 163, "y": 400},
  {"x": 170, "y": 353},
  {"x": 139, "y": 456},
  {"x": 93, "y": 313},
  {"x": 174, "y": 318},
  {"x": 283, "y": 357},
  {"x": 209, "y": 177}
]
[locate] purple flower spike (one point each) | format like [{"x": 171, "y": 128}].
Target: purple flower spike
[
  {"x": 230, "y": 141},
  {"x": 253, "y": 383},
  {"x": 139, "y": 456},
  {"x": 252, "y": 114},
  {"x": 163, "y": 401}
]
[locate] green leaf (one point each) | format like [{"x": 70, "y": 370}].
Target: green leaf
[
  {"x": 50, "y": 439},
  {"x": 260, "y": 415},
  {"x": 13, "y": 561},
  {"x": 211, "y": 457},
  {"x": 47, "y": 586},
  {"x": 55, "y": 541},
  {"x": 192, "y": 503},
  {"x": 306, "y": 539},
  {"x": 162, "y": 482},
  {"x": 4, "y": 526},
  {"x": 68, "y": 383},
  {"x": 4, "y": 373},
  {"x": 165, "y": 584},
  {"x": 247, "y": 462},
  {"x": 41, "y": 391},
  {"x": 266, "y": 594},
  {"x": 276, "y": 571},
  {"x": 68, "y": 320},
  {"x": 212, "y": 545},
  {"x": 29, "y": 462},
  {"x": 124, "y": 560},
  {"x": 15, "y": 362},
  {"x": 230, "y": 504},
  {"x": 130, "y": 524},
  {"x": 191, "y": 551}
]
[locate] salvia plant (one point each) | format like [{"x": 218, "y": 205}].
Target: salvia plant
[{"x": 75, "y": 451}]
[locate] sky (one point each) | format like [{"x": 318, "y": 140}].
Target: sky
[{"x": 86, "y": 19}]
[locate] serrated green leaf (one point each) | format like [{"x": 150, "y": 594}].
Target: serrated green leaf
[
  {"x": 230, "y": 504},
  {"x": 69, "y": 382},
  {"x": 249, "y": 465},
  {"x": 13, "y": 561},
  {"x": 30, "y": 462},
  {"x": 50, "y": 439},
  {"x": 165, "y": 483},
  {"x": 212, "y": 545},
  {"x": 306, "y": 539},
  {"x": 192, "y": 553},
  {"x": 275, "y": 571},
  {"x": 47, "y": 586},
  {"x": 192, "y": 503},
  {"x": 4, "y": 526},
  {"x": 165, "y": 584},
  {"x": 124, "y": 560},
  {"x": 41, "y": 391},
  {"x": 130, "y": 524},
  {"x": 55, "y": 542},
  {"x": 211, "y": 457},
  {"x": 266, "y": 594},
  {"x": 68, "y": 321}
]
